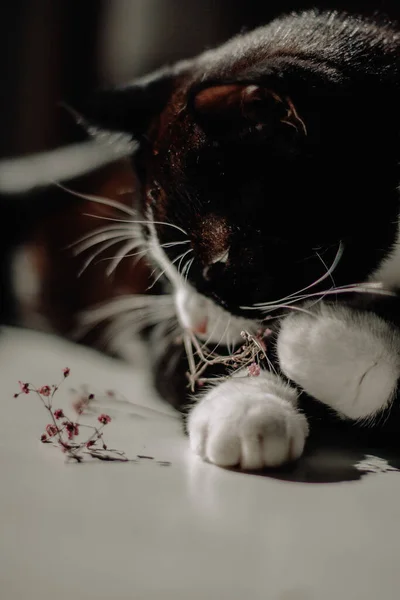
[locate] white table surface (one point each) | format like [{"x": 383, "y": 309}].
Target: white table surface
[{"x": 189, "y": 531}]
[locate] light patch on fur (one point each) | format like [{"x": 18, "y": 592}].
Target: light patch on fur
[
  {"x": 21, "y": 175},
  {"x": 388, "y": 273},
  {"x": 347, "y": 359},
  {"x": 193, "y": 309},
  {"x": 251, "y": 422}
]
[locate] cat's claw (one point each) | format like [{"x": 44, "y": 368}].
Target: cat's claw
[{"x": 251, "y": 422}]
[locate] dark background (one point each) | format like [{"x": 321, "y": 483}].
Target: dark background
[{"x": 52, "y": 50}]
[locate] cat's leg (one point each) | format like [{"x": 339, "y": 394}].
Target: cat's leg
[
  {"x": 349, "y": 359},
  {"x": 252, "y": 422}
]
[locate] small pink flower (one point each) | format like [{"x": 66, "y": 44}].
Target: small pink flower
[
  {"x": 58, "y": 413},
  {"x": 90, "y": 443},
  {"x": 72, "y": 429},
  {"x": 43, "y": 437},
  {"x": 51, "y": 430},
  {"x": 253, "y": 370},
  {"x": 104, "y": 419},
  {"x": 66, "y": 371},
  {"x": 44, "y": 390},
  {"x": 24, "y": 387}
]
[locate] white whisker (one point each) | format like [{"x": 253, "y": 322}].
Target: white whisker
[
  {"x": 101, "y": 237},
  {"x": 328, "y": 273},
  {"x": 136, "y": 222},
  {"x": 99, "y": 250},
  {"x": 99, "y": 200}
]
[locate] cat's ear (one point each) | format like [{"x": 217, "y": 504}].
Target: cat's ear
[
  {"x": 229, "y": 109},
  {"x": 132, "y": 107}
]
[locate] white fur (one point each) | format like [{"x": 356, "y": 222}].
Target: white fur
[
  {"x": 193, "y": 309},
  {"x": 347, "y": 359},
  {"x": 248, "y": 421},
  {"x": 23, "y": 174},
  {"x": 388, "y": 273}
]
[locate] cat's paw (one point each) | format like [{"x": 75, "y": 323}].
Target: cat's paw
[
  {"x": 248, "y": 421},
  {"x": 347, "y": 359}
]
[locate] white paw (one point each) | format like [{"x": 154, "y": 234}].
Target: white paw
[
  {"x": 248, "y": 421},
  {"x": 347, "y": 359}
]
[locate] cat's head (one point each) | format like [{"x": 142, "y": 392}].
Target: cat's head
[{"x": 268, "y": 164}]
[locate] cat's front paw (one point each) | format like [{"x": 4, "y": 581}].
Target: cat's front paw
[
  {"x": 347, "y": 359},
  {"x": 248, "y": 421}
]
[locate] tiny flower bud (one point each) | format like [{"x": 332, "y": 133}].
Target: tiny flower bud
[
  {"x": 104, "y": 419},
  {"x": 24, "y": 387},
  {"x": 90, "y": 443},
  {"x": 43, "y": 437},
  {"x": 44, "y": 390},
  {"x": 51, "y": 430},
  {"x": 91, "y": 396},
  {"x": 58, "y": 414},
  {"x": 253, "y": 370},
  {"x": 66, "y": 371}
]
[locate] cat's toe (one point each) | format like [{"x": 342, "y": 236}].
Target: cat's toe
[{"x": 241, "y": 423}]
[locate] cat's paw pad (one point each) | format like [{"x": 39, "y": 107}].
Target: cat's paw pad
[{"x": 248, "y": 422}]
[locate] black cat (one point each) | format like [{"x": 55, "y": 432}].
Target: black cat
[{"x": 268, "y": 175}]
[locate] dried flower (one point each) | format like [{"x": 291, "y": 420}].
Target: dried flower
[
  {"x": 61, "y": 435},
  {"x": 104, "y": 419},
  {"x": 45, "y": 390},
  {"x": 24, "y": 387},
  {"x": 254, "y": 370},
  {"x": 51, "y": 430},
  {"x": 72, "y": 429}
]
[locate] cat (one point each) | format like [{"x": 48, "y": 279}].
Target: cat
[{"x": 264, "y": 194}]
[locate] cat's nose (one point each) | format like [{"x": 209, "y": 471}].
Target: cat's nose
[{"x": 216, "y": 266}]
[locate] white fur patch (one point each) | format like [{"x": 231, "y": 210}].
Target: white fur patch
[
  {"x": 248, "y": 421},
  {"x": 347, "y": 359},
  {"x": 388, "y": 273},
  {"x": 194, "y": 310}
]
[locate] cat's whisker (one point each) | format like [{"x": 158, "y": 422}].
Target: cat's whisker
[
  {"x": 100, "y": 200},
  {"x": 137, "y": 222},
  {"x": 186, "y": 269},
  {"x": 98, "y": 239},
  {"x": 164, "y": 270},
  {"x": 139, "y": 307},
  {"x": 124, "y": 254},
  {"x": 103, "y": 247},
  {"x": 91, "y": 234},
  {"x": 180, "y": 262},
  {"x": 328, "y": 273}
]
